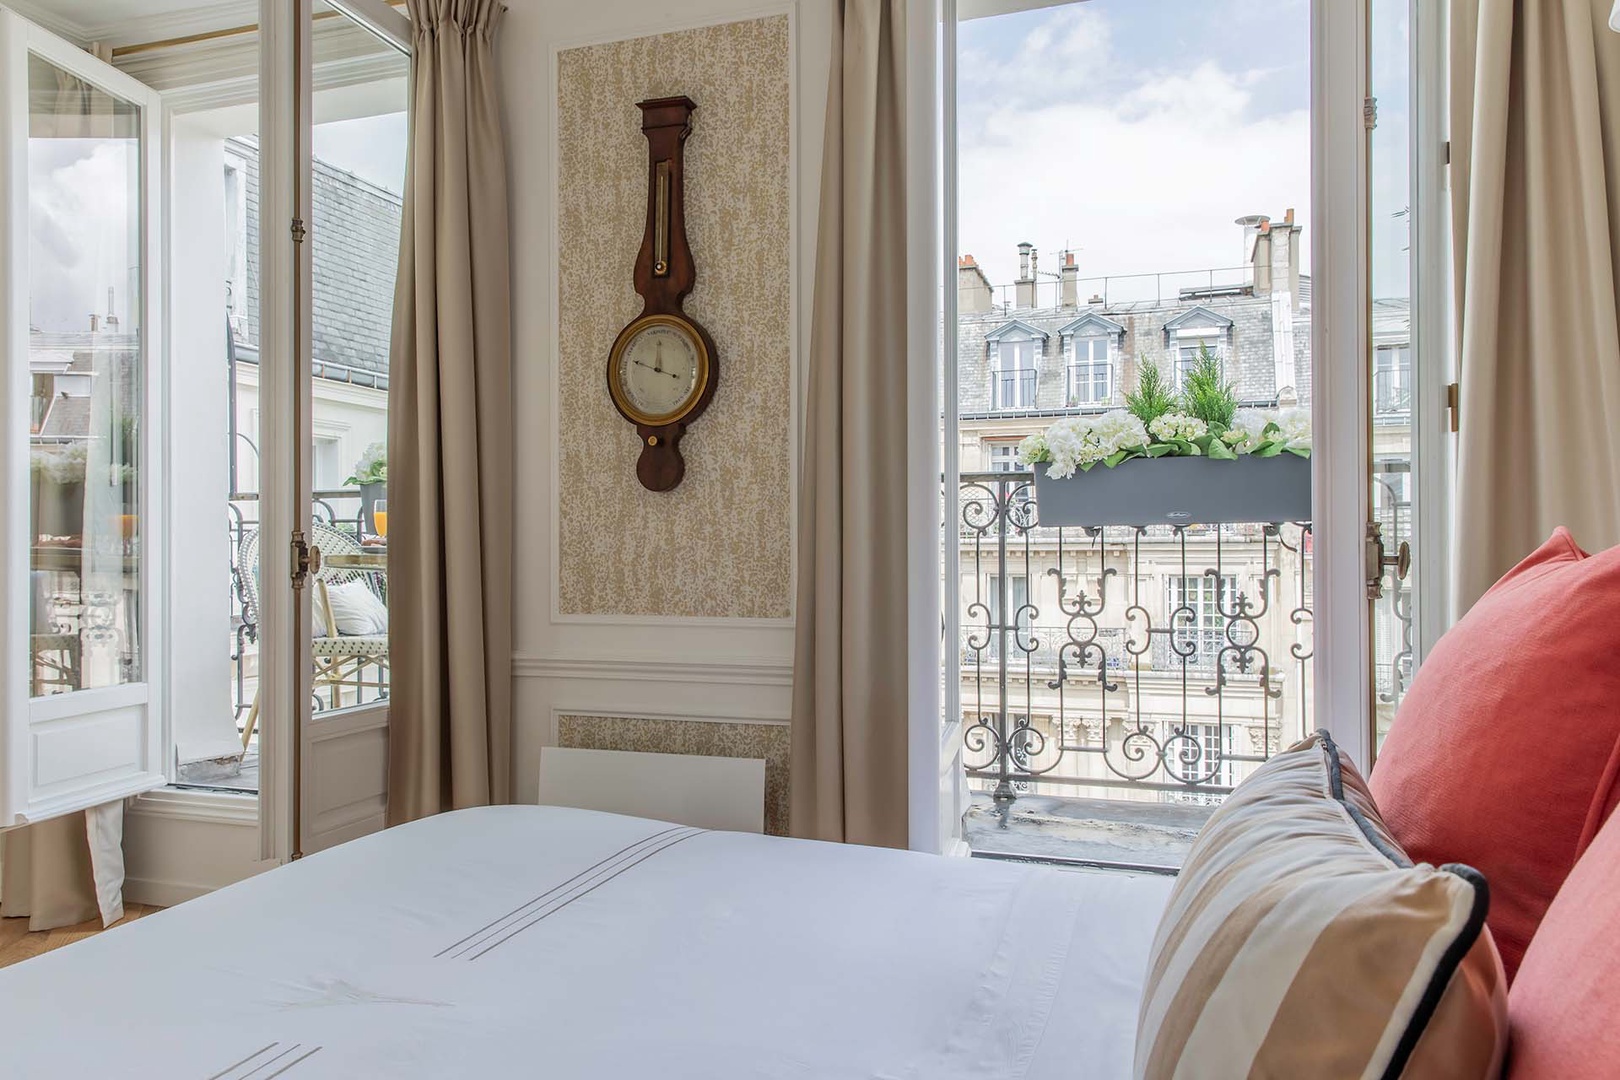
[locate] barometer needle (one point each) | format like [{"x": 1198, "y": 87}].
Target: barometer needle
[{"x": 660, "y": 371}]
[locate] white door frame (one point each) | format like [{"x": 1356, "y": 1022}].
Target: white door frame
[
  {"x": 120, "y": 732},
  {"x": 1339, "y": 330},
  {"x": 1340, "y": 336}
]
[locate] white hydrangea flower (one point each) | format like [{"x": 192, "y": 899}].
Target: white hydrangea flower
[
  {"x": 61, "y": 466},
  {"x": 1085, "y": 441},
  {"x": 1176, "y": 425},
  {"x": 1244, "y": 434},
  {"x": 1118, "y": 430},
  {"x": 1033, "y": 449},
  {"x": 1065, "y": 442},
  {"x": 1295, "y": 427}
]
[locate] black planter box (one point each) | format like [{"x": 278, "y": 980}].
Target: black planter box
[{"x": 1178, "y": 491}]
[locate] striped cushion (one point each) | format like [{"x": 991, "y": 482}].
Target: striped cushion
[{"x": 1301, "y": 942}]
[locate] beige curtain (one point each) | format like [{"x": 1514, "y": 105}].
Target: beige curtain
[
  {"x": 1535, "y": 98},
  {"x": 848, "y": 770},
  {"x": 450, "y": 437},
  {"x": 65, "y": 870}
]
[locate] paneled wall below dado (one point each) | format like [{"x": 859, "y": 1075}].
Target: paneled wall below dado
[{"x": 708, "y": 738}]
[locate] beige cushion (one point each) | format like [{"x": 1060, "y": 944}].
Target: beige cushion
[{"x": 1301, "y": 942}]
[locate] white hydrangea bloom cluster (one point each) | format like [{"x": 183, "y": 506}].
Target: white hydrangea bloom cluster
[
  {"x": 1244, "y": 434},
  {"x": 1084, "y": 441},
  {"x": 1295, "y": 426},
  {"x": 1034, "y": 449},
  {"x": 1176, "y": 425}
]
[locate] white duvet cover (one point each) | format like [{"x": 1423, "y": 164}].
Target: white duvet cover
[{"x": 546, "y": 942}]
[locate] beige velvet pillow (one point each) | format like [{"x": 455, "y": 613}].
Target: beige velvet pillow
[{"x": 1301, "y": 942}]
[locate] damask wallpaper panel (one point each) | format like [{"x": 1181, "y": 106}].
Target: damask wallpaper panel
[{"x": 719, "y": 545}]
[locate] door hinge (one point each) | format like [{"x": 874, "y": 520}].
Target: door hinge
[
  {"x": 1453, "y": 404},
  {"x": 298, "y": 230},
  {"x": 306, "y": 559},
  {"x": 1369, "y": 112}
]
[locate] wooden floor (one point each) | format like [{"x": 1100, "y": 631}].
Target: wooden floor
[{"x": 17, "y": 944}]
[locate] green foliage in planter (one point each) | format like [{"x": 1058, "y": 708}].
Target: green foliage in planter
[
  {"x": 1152, "y": 397},
  {"x": 1205, "y": 394}
]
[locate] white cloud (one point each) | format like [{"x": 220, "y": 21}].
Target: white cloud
[
  {"x": 81, "y": 237},
  {"x": 1142, "y": 170}
]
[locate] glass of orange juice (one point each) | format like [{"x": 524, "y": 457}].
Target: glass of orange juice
[{"x": 379, "y": 517}]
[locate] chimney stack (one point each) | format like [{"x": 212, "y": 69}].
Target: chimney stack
[
  {"x": 1274, "y": 255},
  {"x": 1069, "y": 282},
  {"x": 1252, "y": 225},
  {"x": 1024, "y": 287},
  {"x": 973, "y": 293}
]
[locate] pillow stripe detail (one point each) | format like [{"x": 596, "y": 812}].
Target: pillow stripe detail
[{"x": 1300, "y": 941}]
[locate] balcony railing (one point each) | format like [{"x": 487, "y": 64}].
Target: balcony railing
[
  {"x": 1168, "y": 661},
  {"x": 339, "y": 509}
]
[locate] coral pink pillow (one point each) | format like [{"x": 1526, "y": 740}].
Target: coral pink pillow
[
  {"x": 1562, "y": 1010},
  {"x": 1505, "y": 751}
]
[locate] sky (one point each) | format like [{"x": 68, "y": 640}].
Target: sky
[
  {"x": 371, "y": 147},
  {"x": 1134, "y": 132}
]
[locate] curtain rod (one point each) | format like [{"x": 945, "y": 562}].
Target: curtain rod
[{"x": 121, "y": 51}]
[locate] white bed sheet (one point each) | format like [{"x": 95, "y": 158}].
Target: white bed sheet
[{"x": 549, "y": 942}]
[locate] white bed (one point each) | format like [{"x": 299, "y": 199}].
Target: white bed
[{"x": 549, "y": 942}]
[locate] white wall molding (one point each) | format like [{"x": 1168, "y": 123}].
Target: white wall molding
[
  {"x": 560, "y": 711},
  {"x": 759, "y": 673},
  {"x": 179, "y": 845},
  {"x": 41, "y": 16}
]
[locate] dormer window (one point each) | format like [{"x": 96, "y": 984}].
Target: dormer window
[
  {"x": 1189, "y": 347},
  {"x": 1091, "y": 371},
  {"x": 1015, "y": 353},
  {"x": 1189, "y": 334},
  {"x": 1392, "y": 379},
  {"x": 1090, "y": 344},
  {"x": 1015, "y": 374}
]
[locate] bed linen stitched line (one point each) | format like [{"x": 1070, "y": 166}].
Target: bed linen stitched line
[
  {"x": 643, "y": 857},
  {"x": 233, "y": 1066},
  {"x": 518, "y": 911},
  {"x": 302, "y": 1057},
  {"x": 266, "y": 1064}
]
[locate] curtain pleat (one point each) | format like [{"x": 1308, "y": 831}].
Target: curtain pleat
[
  {"x": 1535, "y": 100},
  {"x": 849, "y": 734},
  {"x": 450, "y": 434}
]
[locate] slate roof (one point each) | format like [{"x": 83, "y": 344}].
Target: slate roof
[
  {"x": 355, "y": 251},
  {"x": 68, "y": 418}
]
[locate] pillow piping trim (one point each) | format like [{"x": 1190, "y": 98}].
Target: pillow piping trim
[{"x": 1451, "y": 959}]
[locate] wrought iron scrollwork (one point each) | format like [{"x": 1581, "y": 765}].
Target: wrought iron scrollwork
[{"x": 1103, "y": 688}]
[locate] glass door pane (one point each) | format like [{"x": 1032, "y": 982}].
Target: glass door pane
[
  {"x": 1134, "y": 200},
  {"x": 86, "y": 362},
  {"x": 84, "y": 580},
  {"x": 357, "y": 183},
  {"x": 1393, "y": 356}
]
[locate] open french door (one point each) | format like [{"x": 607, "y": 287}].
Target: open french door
[
  {"x": 1364, "y": 352},
  {"x": 81, "y": 459},
  {"x": 337, "y": 208}
]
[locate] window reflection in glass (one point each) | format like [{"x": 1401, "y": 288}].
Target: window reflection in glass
[{"x": 85, "y": 356}]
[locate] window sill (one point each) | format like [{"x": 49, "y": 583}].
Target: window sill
[{"x": 215, "y": 807}]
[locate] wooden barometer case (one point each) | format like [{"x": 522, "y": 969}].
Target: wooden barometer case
[{"x": 663, "y": 368}]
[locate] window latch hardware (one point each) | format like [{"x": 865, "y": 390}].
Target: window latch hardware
[
  {"x": 1454, "y": 404},
  {"x": 298, "y": 230},
  {"x": 1377, "y": 561},
  {"x": 1369, "y": 112},
  {"x": 306, "y": 559}
]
